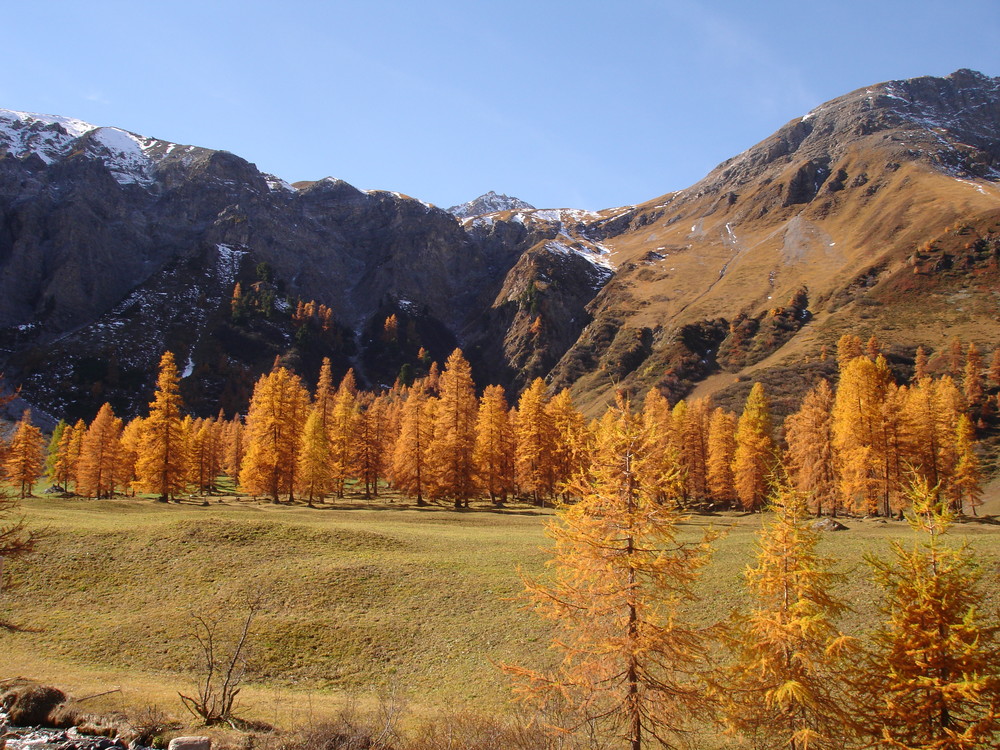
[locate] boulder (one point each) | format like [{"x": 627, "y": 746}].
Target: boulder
[
  {"x": 828, "y": 524},
  {"x": 190, "y": 743}
]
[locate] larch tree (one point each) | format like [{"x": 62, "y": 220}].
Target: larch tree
[
  {"x": 570, "y": 437},
  {"x": 782, "y": 688},
  {"x": 313, "y": 476},
  {"x": 534, "y": 437},
  {"x": 621, "y": 595},
  {"x": 956, "y": 354},
  {"x": 24, "y": 462},
  {"x": 73, "y": 451},
  {"x": 52, "y": 452},
  {"x": 848, "y": 349},
  {"x": 275, "y": 420},
  {"x": 343, "y": 419},
  {"x": 966, "y": 482},
  {"x": 930, "y": 677},
  {"x": 130, "y": 441},
  {"x": 371, "y": 436},
  {"x": 234, "y": 448},
  {"x": 451, "y": 463},
  {"x": 721, "y": 449},
  {"x": 162, "y": 462},
  {"x": 494, "y": 443},
  {"x": 754, "y": 459},
  {"x": 972, "y": 377},
  {"x": 920, "y": 366},
  {"x": 995, "y": 366},
  {"x": 809, "y": 457},
  {"x": 694, "y": 453},
  {"x": 859, "y": 434},
  {"x": 61, "y": 472},
  {"x": 409, "y": 454},
  {"x": 663, "y": 462},
  {"x": 101, "y": 455}
]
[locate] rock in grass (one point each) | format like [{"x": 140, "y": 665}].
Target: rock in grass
[
  {"x": 828, "y": 524},
  {"x": 190, "y": 743}
]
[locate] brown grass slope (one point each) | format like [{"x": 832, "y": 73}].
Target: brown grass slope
[{"x": 836, "y": 203}]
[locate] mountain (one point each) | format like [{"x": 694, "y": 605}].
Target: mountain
[
  {"x": 876, "y": 213},
  {"x": 488, "y": 204}
]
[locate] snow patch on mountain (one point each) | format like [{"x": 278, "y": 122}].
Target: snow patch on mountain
[
  {"x": 597, "y": 255},
  {"x": 52, "y": 138}
]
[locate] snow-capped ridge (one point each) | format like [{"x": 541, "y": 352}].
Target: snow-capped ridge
[{"x": 489, "y": 203}]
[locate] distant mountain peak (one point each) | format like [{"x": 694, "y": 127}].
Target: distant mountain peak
[{"x": 488, "y": 204}]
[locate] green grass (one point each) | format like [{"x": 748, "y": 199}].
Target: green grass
[{"x": 356, "y": 597}]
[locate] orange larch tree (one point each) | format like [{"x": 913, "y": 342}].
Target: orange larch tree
[
  {"x": 450, "y": 455},
  {"x": 534, "y": 438},
  {"x": 343, "y": 419},
  {"x": 101, "y": 455},
  {"x": 275, "y": 420},
  {"x": 161, "y": 465},
  {"x": 494, "y": 443},
  {"x": 409, "y": 455},
  {"x": 721, "y": 450},
  {"x": 24, "y": 461},
  {"x": 809, "y": 457},
  {"x": 621, "y": 597},
  {"x": 754, "y": 459}
]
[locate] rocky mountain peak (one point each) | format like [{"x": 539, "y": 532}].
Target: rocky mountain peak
[{"x": 487, "y": 204}]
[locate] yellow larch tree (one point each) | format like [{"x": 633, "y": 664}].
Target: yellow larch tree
[
  {"x": 24, "y": 461},
  {"x": 621, "y": 597},
  {"x": 62, "y": 467},
  {"x": 930, "y": 676},
  {"x": 275, "y": 419},
  {"x": 848, "y": 349},
  {"x": 450, "y": 456},
  {"x": 995, "y": 366},
  {"x": 494, "y": 444},
  {"x": 972, "y": 378},
  {"x": 809, "y": 457},
  {"x": 694, "y": 451},
  {"x": 101, "y": 455},
  {"x": 162, "y": 462},
  {"x": 234, "y": 448},
  {"x": 409, "y": 454},
  {"x": 343, "y": 419},
  {"x": 534, "y": 438},
  {"x": 859, "y": 435},
  {"x": 570, "y": 439},
  {"x": 130, "y": 442},
  {"x": 782, "y": 688},
  {"x": 370, "y": 439},
  {"x": 313, "y": 477},
  {"x": 967, "y": 478},
  {"x": 754, "y": 459},
  {"x": 73, "y": 453},
  {"x": 920, "y": 365},
  {"x": 721, "y": 450},
  {"x": 663, "y": 454}
]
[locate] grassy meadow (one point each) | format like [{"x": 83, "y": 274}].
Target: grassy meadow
[{"x": 356, "y": 597}]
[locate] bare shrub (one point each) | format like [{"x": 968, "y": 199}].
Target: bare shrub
[{"x": 223, "y": 651}]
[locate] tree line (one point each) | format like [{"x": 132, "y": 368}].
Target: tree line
[{"x": 848, "y": 449}]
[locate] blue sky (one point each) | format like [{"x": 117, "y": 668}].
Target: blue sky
[{"x": 584, "y": 104}]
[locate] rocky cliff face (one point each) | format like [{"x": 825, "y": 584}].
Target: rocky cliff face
[{"x": 114, "y": 246}]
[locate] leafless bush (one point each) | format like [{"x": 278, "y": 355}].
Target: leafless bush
[{"x": 224, "y": 664}]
